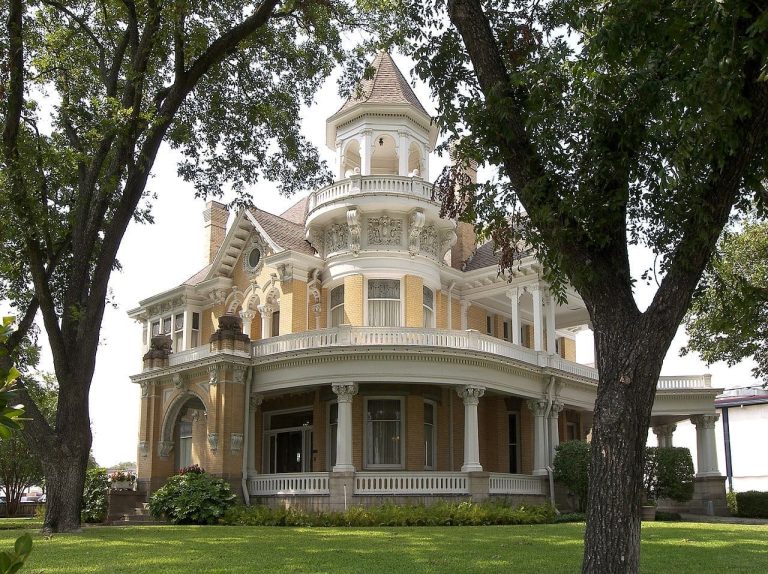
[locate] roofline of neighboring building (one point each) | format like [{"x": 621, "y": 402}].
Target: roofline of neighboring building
[{"x": 740, "y": 401}]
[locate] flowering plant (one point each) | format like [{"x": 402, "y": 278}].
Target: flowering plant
[
  {"x": 121, "y": 476},
  {"x": 192, "y": 469}
]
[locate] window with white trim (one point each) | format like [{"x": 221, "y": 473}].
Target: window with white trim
[
  {"x": 178, "y": 332},
  {"x": 337, "y": 306},
  {"x": 195, "y": 333},
  {"x": 513, "y": 442},
  {"x": 383, "y": 433},
  {"x": 384, "y": 302},
  {"x": 430, "y": 437},
  {"x": 429, "y": 307},
  {"x": 185, "y": 444}
]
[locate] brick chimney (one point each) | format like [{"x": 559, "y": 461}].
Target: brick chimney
[
  {"x": 215, "y": 217},
  {"x": 466, "y": 240}
]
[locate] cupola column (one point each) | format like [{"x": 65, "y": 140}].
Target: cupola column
[
  {"x": 345, "y": 392},
  {"x": 266, "y": 320},
  {"x": 404, "y": 145},
  {"x": 366, "y": 149}
]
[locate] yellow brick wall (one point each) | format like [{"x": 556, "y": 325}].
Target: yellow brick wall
[
  {"x": 441, "y": 310},
  {"x": 456, "y": 314},
  {"x": 476, "y": 319},
  {"x": 324, "y": 309},
  {"x": 568, "y": 349},
  {"x": 293, "y": 307},
  {"x": 414, "y": 301},
  {"x": 353, "y": 300},
  {"x": 498, "y": 326}
]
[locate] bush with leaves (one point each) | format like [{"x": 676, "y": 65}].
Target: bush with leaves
[
  {"x": 95, "y": 495},
  {"x": 668, "y": 473},
  {"x": 192, "y": 498},
  {"x": 752, "y": 504},
  {"x": 572, "y": 469}
]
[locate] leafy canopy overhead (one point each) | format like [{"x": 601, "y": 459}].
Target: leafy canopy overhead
[{"x": 728, "y": 319}]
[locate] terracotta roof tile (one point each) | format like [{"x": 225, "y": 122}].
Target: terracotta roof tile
[
  {"x": 388, "y": 86},
  {"x": 286, "y": 234}
]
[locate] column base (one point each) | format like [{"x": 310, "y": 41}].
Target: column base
[
  {"x": 540, "y": 472},
  {"x": 341, "y": 487},
  {"x": 709, "y": 496},
  {"x": 472, "y": 467},
  {"x": 344, "y": 468}
]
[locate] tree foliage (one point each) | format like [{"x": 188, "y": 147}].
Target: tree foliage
[
  {"x": 90, "y": 91},
  {"x": 728, "y": 319},
  {"x": 608, "y": 125}
]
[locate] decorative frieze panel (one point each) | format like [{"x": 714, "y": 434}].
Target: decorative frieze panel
[
  {"x": 353, "y": 223},
  {"x": 213, "y": 441},
  {"x": 385, "y": 230},
  {"x": 337, "y": 238},
  {"x": 235, "y": 441},
  {"x": 164, "y": 448},
  {"x": 428, "y": 241},
  {"x": 414, "y": 237},
  {"x": 143, "y": 449}
]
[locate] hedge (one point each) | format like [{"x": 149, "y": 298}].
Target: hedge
[{"x": 752, "y": 504}]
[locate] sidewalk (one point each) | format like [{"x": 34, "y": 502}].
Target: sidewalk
[{"x": 723, "y": 519}]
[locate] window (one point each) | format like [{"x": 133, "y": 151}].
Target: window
[
  {"x": 429, "y": 435},
  {"x": 288, "y": 441},
  {"x": 506, "y": 331},
  {"x": 489, "y": 324},
  {"x": 513, "y": 443},
  {"x": 571, "y": 431},
  {"x": 276, "y": 324},
  {"x": 384, "y": 302},
  {"x": 429, "y": 307},
  {"x": 195, "y": 330},
  {"x": 166, "y": 326},
  {"x": 178, "y": 332},
  {"x": 383, "y": 447},
  {"x": 185, "y": 444},
  {"x": 337, "y": 306},
  {"x": 155, "y": 328},
  {"x": 333, "y": 428}
]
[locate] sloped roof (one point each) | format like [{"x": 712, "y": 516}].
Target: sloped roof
[
  {"x": 484, "y": 256},
  {"x": 388, "y": 86},
  {"x": 199, "y": 276},
  {"x": 297, "y": 213},
  {"x": 285, "y": 233}
]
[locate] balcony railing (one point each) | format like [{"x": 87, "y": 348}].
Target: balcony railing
[
  {"x": 288, "y": 484},
  {"x": 411, "y": 483},
  {"x": 189, "y": 355},
  {"x": 516, "y": 484},
  {"x": 685, "y": 383},
  {"x": 355, "y": 185}
]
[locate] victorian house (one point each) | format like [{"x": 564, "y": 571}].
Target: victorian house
[{"x": 358, "y": 347}]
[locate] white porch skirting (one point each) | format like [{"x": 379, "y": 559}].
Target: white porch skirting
[
  {"x": 516, "y": 484},
  {"x": 289, "y": 484},
  {"x": 422, "y": 483}
]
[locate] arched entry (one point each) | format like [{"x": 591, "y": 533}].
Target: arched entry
[{"x": 190, "y": 433}]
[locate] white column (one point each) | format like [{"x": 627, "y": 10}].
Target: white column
[
  {"x": 550, "y": 319},
  {"x": 464, "y": 312},
  {"x": 256, "y": 401},
  {"x": 340, "y": 159},
  {"x": 554, "y": 429},
  {"x": 514, "y": 298},
  {"x": 539, "y": 408},
  {"x": 266, "y": 320},
  {"x": 344, "y": 393},
  {"x": 366, "y": 149},
  {"x": 706, "y": 450},
  {"x": 471, "y": 397},
  {"x": 403, "y": 145},
  {"x": 247, "y": 317},
  {"x": 538, "y": 324},
  {"x": 664, "y": 434}
]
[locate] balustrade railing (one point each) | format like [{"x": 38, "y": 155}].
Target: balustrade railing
[
  {"x": 418, "y": 483},
  {"x": 289, "y": 483},
  {"x": 515, "y": 484},
  {"x": 667, "y": 383},
  {"x": 189, "y": 355},
  {"x": 391, "y": 184}
]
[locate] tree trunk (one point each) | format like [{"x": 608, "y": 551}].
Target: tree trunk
[
  {"x": 65, "y": 480},
  {"x": 629, "y": 363}
]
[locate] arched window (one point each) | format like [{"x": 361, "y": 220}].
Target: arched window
[{"x": 384, "y": 160}]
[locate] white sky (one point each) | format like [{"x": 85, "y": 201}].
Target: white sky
[{"x": 161, "y": 256}]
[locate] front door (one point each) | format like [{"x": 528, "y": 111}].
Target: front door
[{"x": 289, "y": 442}]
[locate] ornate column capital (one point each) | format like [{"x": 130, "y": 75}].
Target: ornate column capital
[
  {"x": 513, "y": 294},
  {"x": 705, "y": 421},
  {"x": 556, "y": 409},
  {"x": 265, "y": 310},
  {"x": 247, "y": 315},
  {"x": 470, "y": 394},
  {"x": 664, "y": 430},
  {"x": 345, "y": 391},
  {"x": 537, "y": 406}
]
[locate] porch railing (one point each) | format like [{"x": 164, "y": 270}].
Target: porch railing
[
  {"x": 685, "y": 383},
  {"x": 189, "y": 355},
  {"x": 516, "y": 484},
  {"x": 293, "y": 483},
  {"x": 424, "y": 483}
]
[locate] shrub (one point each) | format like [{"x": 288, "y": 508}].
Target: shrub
[
  {"x": 752, "y": 504},
  {"x": 572, "y": 468},
  {"x": 733, "y": 506},
  {"x": 95, "y": 495},
  {"x": 668, "y": 473},
  {"x": 192, "y": 498},
  {"x": 668, "y": 516},
  {"x": 570, "y": 517},
  {"x": 439, "y": 514}
]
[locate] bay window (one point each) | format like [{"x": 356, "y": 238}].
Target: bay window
[
  {"x": 429, "y": 307},
  {"x": 384, "y": 302},
  {"x": 337, "y": 306}
]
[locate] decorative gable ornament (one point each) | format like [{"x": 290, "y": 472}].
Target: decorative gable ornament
[{"x": 254, "y": 255}]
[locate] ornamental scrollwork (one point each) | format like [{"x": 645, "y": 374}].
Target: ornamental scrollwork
[
  {"x": 414, "y": 237},
  {"x": 337, "y": 237},
  {"x": 428, "y": 240},
  {"x": 353, "y": 224},
  {"x": 384, "y": 230}
]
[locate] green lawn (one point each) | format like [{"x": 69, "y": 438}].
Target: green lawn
[{"x": 667, "y": 547}]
